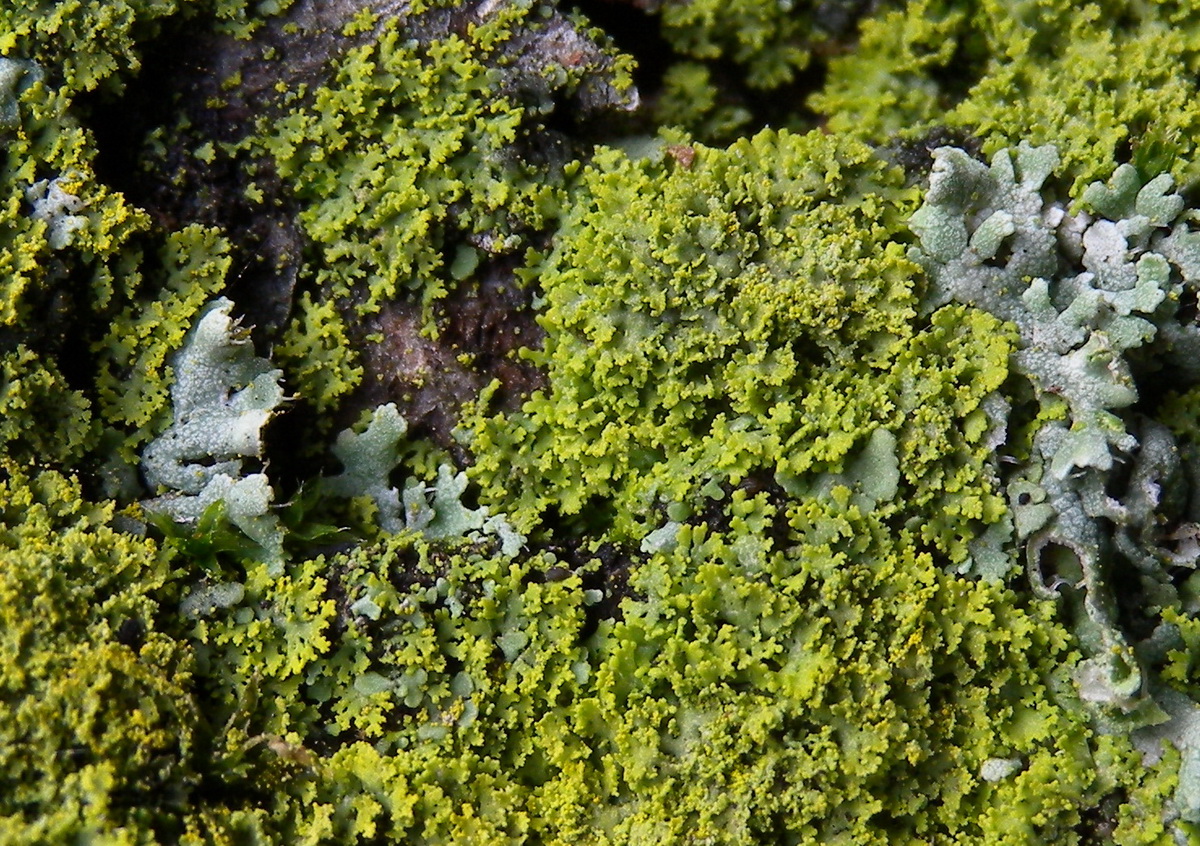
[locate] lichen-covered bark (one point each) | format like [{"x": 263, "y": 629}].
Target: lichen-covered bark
[
  {"x": 603, "y": 469},
  {"x": 226, "y": 84}
]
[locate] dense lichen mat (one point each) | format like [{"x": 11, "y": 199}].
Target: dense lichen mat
[{"x": 664, "y": 421}]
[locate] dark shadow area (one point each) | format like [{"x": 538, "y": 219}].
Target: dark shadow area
[
  {"x": 637, "y": 31},
  {"x": 915, "y": 155},
  {"x": 634, "y": 31},
  {"x": 965, "y": 68},
  {"x": 171, "y": 65}
]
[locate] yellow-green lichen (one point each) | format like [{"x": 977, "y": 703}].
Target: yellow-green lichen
[
  {"x": 771, "y": 40},
  {"x": 792, "y": 696},
  {"x": 408, "y": 160},
  {"x": 771, "y": 475},
  {"x": 1103, "y": 81},
  {"x": 100, "y": 724},
  {"x": 701, "y": 323},
  {"x": 90, "y": 43},
  {"x": 318, "y": 355}
]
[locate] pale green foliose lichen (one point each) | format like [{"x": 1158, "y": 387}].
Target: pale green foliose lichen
[
  {"x": 12, "y": 74},
  {"x": 368, "y": 458},
  {"x": 222, "y": 398},
  {"x": 55, "y": 207},
  {"x": 1101, "y": 493},
  {"x": 436, "y": 511}
]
